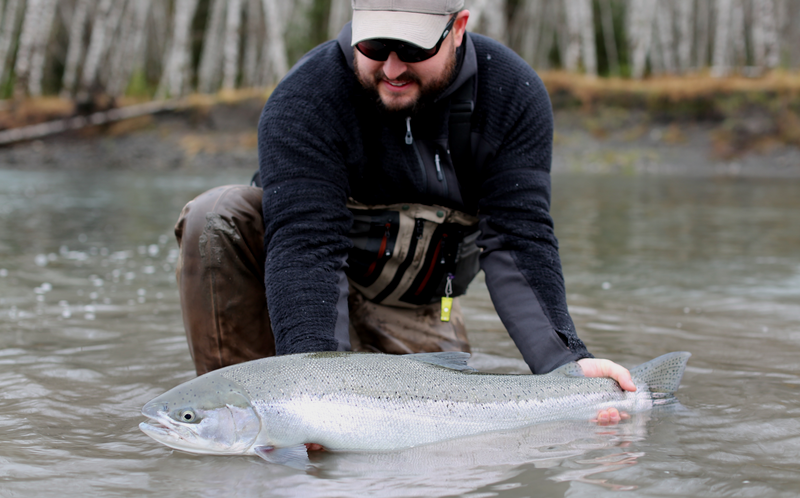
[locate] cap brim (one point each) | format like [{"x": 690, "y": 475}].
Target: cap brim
[{"x": 423, "y": 30}]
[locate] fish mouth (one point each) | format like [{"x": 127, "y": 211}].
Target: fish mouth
[{"x": 161, "y": 428}]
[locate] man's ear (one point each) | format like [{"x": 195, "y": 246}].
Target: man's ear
[{"x": 460, "y": 27}]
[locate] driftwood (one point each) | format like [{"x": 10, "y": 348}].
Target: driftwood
[{"x": 41, "y": 130}]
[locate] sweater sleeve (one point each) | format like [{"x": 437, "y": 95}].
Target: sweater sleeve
[
  {"x": 303, "y": 174},
  {"x": 520, "y": 257}
]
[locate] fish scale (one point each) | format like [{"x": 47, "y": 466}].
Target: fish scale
[{"x": 358, "y": 401}]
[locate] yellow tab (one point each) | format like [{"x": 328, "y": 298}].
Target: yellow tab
[{"x": 447, "y": 305}]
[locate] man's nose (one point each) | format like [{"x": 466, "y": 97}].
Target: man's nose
[{"x": 393, "y": 67}]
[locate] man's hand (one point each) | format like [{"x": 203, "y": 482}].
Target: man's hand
[{"x": 593, "y": 367}]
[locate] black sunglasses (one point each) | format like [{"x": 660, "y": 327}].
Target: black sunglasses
[{"x": 379, "y": 49}]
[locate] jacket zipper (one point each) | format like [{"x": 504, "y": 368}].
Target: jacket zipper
[{"x": 410, "y": 141}]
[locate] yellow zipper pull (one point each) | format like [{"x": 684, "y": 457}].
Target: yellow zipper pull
[{"x": 447, "y": 301}]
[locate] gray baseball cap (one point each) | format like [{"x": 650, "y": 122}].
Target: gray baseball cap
[{"x": 420, "y": 22}]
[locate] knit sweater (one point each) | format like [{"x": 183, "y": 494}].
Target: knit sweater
[{"x": 323, "y": 139}]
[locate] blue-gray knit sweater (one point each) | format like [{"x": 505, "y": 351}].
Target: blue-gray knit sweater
[{"x": 322, "y": 139}]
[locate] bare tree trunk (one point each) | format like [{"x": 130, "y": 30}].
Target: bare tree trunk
[
  {"x": 685, "y": 34},
  {"x": 75, "y": 47},
  {"x": 210, "y": 63},
  {"x": 524, "y": 29},
  {"x": 609, "y": 38},
  {"x": 340, "y": 15},
  {"x": 640, "y": 34},
  {"x": 703, "y": 32},
  {"x": 253, "y": 42},
  {"x": 38, "y": 57},
  {"x": 665, "y": 36},
  {"x": 588, "y": 45},
  {"x": 27, "y": 40},
  {"x": 8, "y": 32},
  {"x": 97, "y": 45},
  {"x": 738, "y": 34},
  {"x": 573, "y": 11},
  {"x": 765, "y": 34},
  {"x": 495, "y": 20},
  {"x": 550, "y": 16},
  {"x": 721, "y": 56},
  {"x": 131, "y": 41},
  {"x": 231, "y": 58},
  {"x": 175, "y": 77},
  {"x": 276, "y": 64}
]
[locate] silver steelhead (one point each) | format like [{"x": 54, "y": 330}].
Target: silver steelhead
[{"x": 375, "y": 402}]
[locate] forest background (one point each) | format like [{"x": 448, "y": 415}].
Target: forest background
[{"x": 733, "y": 62}]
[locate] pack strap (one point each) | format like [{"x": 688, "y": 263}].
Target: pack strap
[{"x": 460, "y": 130}]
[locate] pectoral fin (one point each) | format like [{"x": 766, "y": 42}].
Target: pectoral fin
[{"x": 295, "y": 457}]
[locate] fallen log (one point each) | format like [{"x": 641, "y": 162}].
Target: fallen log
[{"x": 41, "y": 130}]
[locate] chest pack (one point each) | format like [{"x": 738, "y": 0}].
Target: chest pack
[{"x": 407, "y": 255}]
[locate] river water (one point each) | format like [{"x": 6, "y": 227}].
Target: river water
[{"x": 90, "y": 330}]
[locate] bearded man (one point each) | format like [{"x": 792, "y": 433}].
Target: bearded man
[{"x": 395, "y": 162}]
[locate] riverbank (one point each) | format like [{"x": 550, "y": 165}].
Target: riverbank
[{"x": 689, "y": 125}]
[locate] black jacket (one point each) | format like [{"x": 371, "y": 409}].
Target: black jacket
[{"x": 322, "y": 139}]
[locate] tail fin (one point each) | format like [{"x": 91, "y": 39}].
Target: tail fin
[{"x": 662, "y": 374}]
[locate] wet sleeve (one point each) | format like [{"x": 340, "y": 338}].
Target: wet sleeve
[{"x": 520, "y": 251}]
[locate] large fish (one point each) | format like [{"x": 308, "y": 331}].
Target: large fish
[{"x": 374, "y": 402}]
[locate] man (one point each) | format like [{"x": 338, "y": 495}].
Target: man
[{"x": 393, "y": 160}]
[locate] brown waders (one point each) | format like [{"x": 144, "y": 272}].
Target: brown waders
[{"x": 220, "y": 276}]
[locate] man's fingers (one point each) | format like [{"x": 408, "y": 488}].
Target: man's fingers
[
  {"x": 593, "y": 367},
  {"x": 611, "y": 416}
]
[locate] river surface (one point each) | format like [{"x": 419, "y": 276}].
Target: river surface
[{"x": 90, "y": 330}]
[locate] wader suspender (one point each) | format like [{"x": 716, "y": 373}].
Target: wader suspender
[{"x": 460, "y": 129}]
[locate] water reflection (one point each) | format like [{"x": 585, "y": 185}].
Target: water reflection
[{"x": 90, "y": 330}]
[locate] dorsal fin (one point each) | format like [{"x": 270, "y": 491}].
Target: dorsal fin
[
  {"x": 454, "y": 360},
  {"x": 662, "y": 374},
  {"x": 571, "y": 369}
]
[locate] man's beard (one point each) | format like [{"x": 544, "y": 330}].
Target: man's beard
[{"x": 428, "y": 92}]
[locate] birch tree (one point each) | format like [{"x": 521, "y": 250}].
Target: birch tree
[
  {"x": 550, "y": 16},
  {"x": 573, "y": 52},
  {"x": 525, "y": 29},
  {"x": 175, "y": 75},
  {"x": 31, "y": 24},
  {"x": 275, "y": 65},
  {"x": 609, "y": 38},
  {"x": 35, "y": 33},
  {"x": 588, "y": 45},
  {"x": 231, "y": 51},
  {"x": 131, "y": 42},
  {"x": 39, "y": 52},
  {"x": 685, "y": 33},
  {"x": 102, "y": 29},
  {"x": 339, "y": 15},
  {"x": 640, "y": 32},
  {"x": 703, "y": 26},
  {"x": 75, "y": 47},
  {"x": 11, "y": 14},
  {"x": 765, "y": 34},
  {"x": 253, "y": 42},
  {"x": 738, "y": 34},
  {"x": 722, "y": 38},
  {"x": 666, "y": 46},
  {"x": 211, "y": 60}
]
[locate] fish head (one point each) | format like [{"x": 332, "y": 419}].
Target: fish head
[{"x": 209, "y": 415}]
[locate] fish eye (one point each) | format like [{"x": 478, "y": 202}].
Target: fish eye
[{"x": 188, "y": 416}]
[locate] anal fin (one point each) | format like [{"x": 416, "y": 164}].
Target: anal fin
[{"x": 295, "y": 457}]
